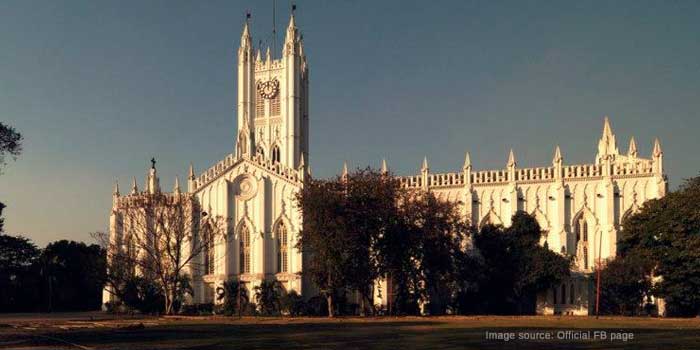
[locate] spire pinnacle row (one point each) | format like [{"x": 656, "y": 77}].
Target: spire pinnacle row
[
  {"x": 632, "y": 150},
  {"x": 557, "y": 155},
  {"x": 467, "y": 160},
  {"x": 511, "y": 158}
]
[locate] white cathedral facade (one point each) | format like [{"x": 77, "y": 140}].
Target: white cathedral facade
[{"x": 579, "y": 207}]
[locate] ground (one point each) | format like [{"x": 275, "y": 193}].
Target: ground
[{"x": 100, "y": 331}]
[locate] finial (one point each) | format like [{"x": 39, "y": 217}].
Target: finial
[
  {"x": 632, "y": 150},
  {"x": 190, "y": 175},
  {"x": 116, "y": 188},
  {"x": 384, "y": 169},
  {"x": 268, "y": 56},
  {"x": 467, "y": 161},
  {"x": 176, "y": 188},
  {"x": 424, "y": 166},
  {"x": 134, "y": 187},
  {"x": 607, "y": 130},
  {"x": 511, "y": 159},
  {"x": 557, "y": 155},
  {"x": 153, "y": 163},
  {"x": 657, "y": 148},
  {"x": 301, "y": 161},
  {"x": 345, "y": 169}
]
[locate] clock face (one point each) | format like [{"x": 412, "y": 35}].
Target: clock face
[{"x": 268, "y": 89}]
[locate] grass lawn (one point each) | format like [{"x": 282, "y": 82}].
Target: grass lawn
[{"x": 354, "y": 333}]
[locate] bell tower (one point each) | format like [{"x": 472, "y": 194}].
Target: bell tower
[{"x": 273, "y": 110}]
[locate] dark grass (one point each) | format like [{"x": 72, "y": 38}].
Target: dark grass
[{"x": 355, "y": 333}]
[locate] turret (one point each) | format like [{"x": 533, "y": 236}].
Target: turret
[
  {"x": 425, "y": 170},
  {"x": 153, "y": 183},
  {"x": 246, "y": 90}
]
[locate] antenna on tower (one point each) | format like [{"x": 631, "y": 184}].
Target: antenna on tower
[{"x": 274, "y": 29}]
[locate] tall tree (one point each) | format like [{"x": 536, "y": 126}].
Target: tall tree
[
  {"x": 323, "y": 236},
  {"x": 664, "y": 237},
  {"x": 75, "y": 272},
  {"x": 515, "y": 267},
  {"x": 164, "y": 238},
  {"x": 19, "y": 277}
]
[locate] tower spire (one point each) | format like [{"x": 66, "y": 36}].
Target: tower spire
[
  {"x": 384, "y": 169},
  {"x": 116, "y": 189},
  {"x": 657, "y": 148},
  {"x": 424, "y": 166}
]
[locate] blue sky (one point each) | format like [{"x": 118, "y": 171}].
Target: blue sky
[{"x": 98, "y": 88}]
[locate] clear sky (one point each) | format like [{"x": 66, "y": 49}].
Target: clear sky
[{"x": 98, "y": 88}]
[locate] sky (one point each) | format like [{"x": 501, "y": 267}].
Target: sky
[{"x": 97, "y": 88}]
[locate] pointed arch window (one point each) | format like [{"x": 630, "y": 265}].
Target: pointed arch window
[
  {"x": 275, "y": 154},
  {"x": 581, "y": 227},
  {"x": 244, "y": 250},
  {"x": 208, "y": 250},
  {"x": 282, "y": 248}
]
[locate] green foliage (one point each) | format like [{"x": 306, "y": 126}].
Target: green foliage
[
  {"x": 508, "y": 269},
  {"x": 268, "y": 296},
  {"x": 624, "y": 284},
  {"x": 664, "y": 237},
  {"x": 144, "y": 295},
  {"x": 10, "y": 143},
  {"x": 231, "y": 299},
  {"x": 77, "y": 275},
  {"x": 293, "y": 304},
  {"x": 20, "y": 279}
]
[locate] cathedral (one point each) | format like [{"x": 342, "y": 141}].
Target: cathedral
[{"x": 580, "y": 207}]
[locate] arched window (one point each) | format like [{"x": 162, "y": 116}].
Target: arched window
[
  {"x": 208, "y": 249},
  {"x": 276, "y": 154},
  {"x": 585, "y": 257},
  {"x": 282, "y": 250},
  {"x": 581, "y": 228},
  {"x": 585, "y": 231},
  {"x": 244, "y": 250}
]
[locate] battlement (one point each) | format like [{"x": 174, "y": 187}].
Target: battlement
[{"x": 622, "y": 168}]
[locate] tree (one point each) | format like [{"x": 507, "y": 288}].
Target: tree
[
  {"x": 369, "y": 206},
  {"x": 76, "y": 272},
  {"x": 664, "y": 238},
  {"x": 163, "y": 237},
  {"x": 322, "y": 236},
  {"x": 268, "y": 296},
  {"x": 420, "y": 250},
  {"x": 19, "y": 277},
  {"x": 10, "y": 143},
  {"x": 624, "y": 284},
  {"x": 234, "y": 298},
  {"x": 514, "y": 267}
]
